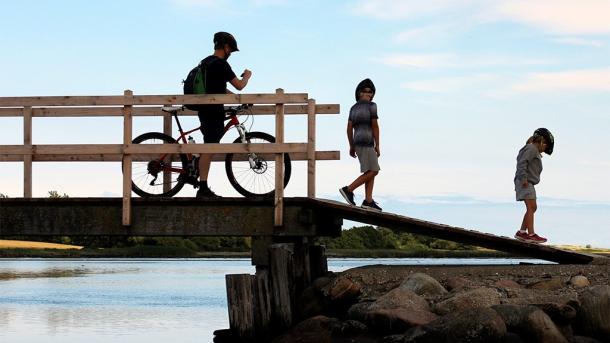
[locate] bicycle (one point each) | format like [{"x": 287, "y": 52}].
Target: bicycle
[{"x": 250, "y": 174}]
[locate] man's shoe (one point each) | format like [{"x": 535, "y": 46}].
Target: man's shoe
[
  {"x": 371, "y": 205},
  {"x": 521, "y": 235},
  {"x": 535, "y": 239},
  {"x": 206, "y": 193},
  {"x": 348, "y": 196}
]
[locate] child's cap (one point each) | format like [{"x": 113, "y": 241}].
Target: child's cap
[
  {"x": 548, "y": 138},
  {"x": 366, "y": 83}
]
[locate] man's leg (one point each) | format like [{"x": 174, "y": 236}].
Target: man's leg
[
  {"x": 204, "y": 167},
  {"x": 362, "y": 179},
  {"x": 368, "y": 187}
]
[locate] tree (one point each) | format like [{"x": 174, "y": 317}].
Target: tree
[{"x": 2, "y": 196}]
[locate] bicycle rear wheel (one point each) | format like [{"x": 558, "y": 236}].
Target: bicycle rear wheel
[
  {"x": 148, "y": 178},
  {"x": 259, "y": 179}
]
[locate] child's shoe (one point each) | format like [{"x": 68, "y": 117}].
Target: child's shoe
[
  {"x": 535, "y": 239},
  {"x": 347, "y": 195},
  {"x": 521, "y": 235},
  {"x": 371, "y": 205}
]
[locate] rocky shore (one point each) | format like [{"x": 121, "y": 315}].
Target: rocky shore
[{"x": 400, "y": 304}]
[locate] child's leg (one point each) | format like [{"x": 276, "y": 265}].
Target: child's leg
[
  {"x": 362, "y": 179},
  {"x": 528, "y": 219},
  {"x": 368, "y": 187}
]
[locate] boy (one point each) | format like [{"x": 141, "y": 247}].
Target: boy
[{"x": 363, "y": 137}]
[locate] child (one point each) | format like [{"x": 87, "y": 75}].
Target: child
[
  {"x": 529, "y": 167},
  {"x": 363, "y": 137}
]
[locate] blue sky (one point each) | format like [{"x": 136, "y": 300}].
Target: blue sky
[{"x": 461, "y": 85}]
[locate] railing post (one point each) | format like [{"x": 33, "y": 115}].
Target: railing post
[
  {"x": 311, "y": 148},
  {"x": 127, "y": 132},
  {"x": 167, "y": 129},
  {"x": 279, "y": 162},
  {"x": 27, "y": 159}
]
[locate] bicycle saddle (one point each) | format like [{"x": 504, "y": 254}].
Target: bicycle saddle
[{"x": 170, "y": 109}]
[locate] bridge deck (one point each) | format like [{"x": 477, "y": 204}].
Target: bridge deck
[{"x": 239, "y": 217}]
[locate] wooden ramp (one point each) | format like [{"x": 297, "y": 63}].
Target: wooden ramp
[{"x": 451, "y": 233}]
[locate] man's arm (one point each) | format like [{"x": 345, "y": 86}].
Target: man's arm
[
  {"x": 375, "y": 129},
  {"x": 350, "y": 138},
  {"x": 241, "y": 84}
]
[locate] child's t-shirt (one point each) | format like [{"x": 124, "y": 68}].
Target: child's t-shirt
[{"x": 361, "y": 115}]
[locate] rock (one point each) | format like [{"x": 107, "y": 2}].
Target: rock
[
  {"x": 593, "y": 316},
  {"x": 312, "y": 303},
  {"x": 393, "y": 339},
  {"x": 506, "y": 284},
  {"x": 476, "y": 298},
  {"x": 400, "y": 298},
  {"x": 358, "y": 311},
  {"x": 353, "y": 327},
  {"x": 423, "y": 284},
  {"x": 321, "y": 282},
  {"x": 512, "y": 337},
  {"x": 390, "y": 321},
  {"x": 560, "y": 314},
  {"x": 457, "y": 283},
  {"x": 472, "y": 325},
  {"x": 583, "y": 339},
  {"x": 343, "y": 289},
  {"x": 579, "y": 281},
  {"x": 317, "y": 329},
  {"x": 530, "y": 322},
  {"x": 523, "y": 296},
  {"x": 547, "y": 285}
]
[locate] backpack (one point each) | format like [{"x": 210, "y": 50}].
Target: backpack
[{"x": 195, "y": 83}]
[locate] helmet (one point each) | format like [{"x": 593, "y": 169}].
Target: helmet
[
  {"x": 548, "y": 137},
  {"x": 366, "y": 83},
  {"x": 221, "y": 38}
]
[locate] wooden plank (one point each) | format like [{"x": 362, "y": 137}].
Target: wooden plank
[
  {"x": 282, "y": 284},
  {"x": 318, "y": 261},
  {"x": 311, "y": 148},
  {"x": 118, "y": 157},
  {"x": 240, "y": 301},
  {"x": 27, "y": 159},
  {"x": 279, "y": 163},
  {"x": 292, "y": 98},
  {"x": 127, "y": 132},
  {"x": 262, "y": 301},
  {"x": 167, "y": 129},
  {"x": 145, "y": 111}
]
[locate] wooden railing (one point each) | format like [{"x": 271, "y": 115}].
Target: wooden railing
[{"x": 129, "y": 106}]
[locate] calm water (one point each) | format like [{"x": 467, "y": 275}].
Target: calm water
[{"x": 120, "y": 300}]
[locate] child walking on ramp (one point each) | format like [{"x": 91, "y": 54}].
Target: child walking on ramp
[
  {"x": 363, "y": 138},
  {"x": 529, "y": 168}
]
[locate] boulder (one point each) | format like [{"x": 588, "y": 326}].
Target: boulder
[
  {"x": 583, "y": 339},
  {"x": 512, "y": 337},
  {"x": 530, "y": 322},
  {"x": 593, "y": 316},
  {"x": 560, "y": 314},
  {"x": 400, "y": 298},
  {"x": 457, "y": 283},
  {"x": 389, "y": 321},
  {"x": 476, "y": 298},
  {"x": 547, "y": 285},
  {"x": 317, "y": 329},
  {"x": 472, "y": 325},
  {"x": 343, "y": 289},
  {"x": 506, "y": 284},
  {"x": 523, "y": 296},
  {"x": 423, "y": 284},
  {"x": 358, "y": 311},
  {"x": 579, "y": 281}
]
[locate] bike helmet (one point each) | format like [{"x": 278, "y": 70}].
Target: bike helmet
[
  {"x": 221, "y": 38},
  {"x": 548, "y": 137},
  {"x": 366, "y": 83}
]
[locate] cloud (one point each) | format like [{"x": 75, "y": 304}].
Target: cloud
[
  {"x": 406, "y": 9},
  {"x": 579, "y": 42},
  {"x": 226, "y": 4},
  {"x": 449, "y": 84},
  {"x": 574, "y": 80},
  {"x": 456, "y": 61}
]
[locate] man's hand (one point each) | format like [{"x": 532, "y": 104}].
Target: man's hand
[
  {"x": 524, "y": 184},
  {"x": 352, "y": 151},
  {"x": 378, "y": 151},
  {"x": 246, "y": 74}
]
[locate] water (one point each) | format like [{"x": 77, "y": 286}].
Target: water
[{"x": 125, "y": 300}]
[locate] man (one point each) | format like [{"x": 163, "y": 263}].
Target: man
[{"x": 217, "y": 73}]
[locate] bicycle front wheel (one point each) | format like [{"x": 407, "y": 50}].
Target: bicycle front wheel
[
  {"x": 253, "y": 175},
  {"x": 158, "y": 176}
]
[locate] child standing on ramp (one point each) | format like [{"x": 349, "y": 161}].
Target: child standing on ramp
[
  {"x": 363, "y": 138},
  {"x": 529, "y": 168}
]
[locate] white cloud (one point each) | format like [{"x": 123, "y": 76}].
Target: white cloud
[
  {"x": 228, "y": 3},
  {"x": 449, "y": 84},
  {"x": 579, "y": 42},
  {"x": 574, "y": 80},
  {"x": 456, "y": 61},
  {"x": 405, "y": 9}
]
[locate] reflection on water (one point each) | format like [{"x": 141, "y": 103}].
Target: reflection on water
[{"x": 130, "y": 300}]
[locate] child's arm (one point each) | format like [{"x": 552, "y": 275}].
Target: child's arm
[
  {"x": 350, "y": 138},
  {"x": 522, "y": 163},
  {"x": 375, "y": 128}
]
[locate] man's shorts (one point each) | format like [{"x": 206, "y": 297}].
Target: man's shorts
[
  {"x": 527, "y": 193},
  {"x": 212, "y": 127},
  {"x": 368, "y": 158}
]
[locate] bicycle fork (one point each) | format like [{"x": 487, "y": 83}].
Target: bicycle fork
[{"x": 242, "y": 134}]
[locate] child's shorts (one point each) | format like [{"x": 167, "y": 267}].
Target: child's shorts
[
  {"x": 526, "y": 193},
  {"x": 368, "y": 158}
]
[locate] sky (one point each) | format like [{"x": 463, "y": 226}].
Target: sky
[{"x": 461, "y": 85}]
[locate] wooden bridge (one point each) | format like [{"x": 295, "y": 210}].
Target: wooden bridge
[{"x": 283, "y": 229}]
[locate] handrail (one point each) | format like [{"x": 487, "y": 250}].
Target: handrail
[{"x": 129, "y": 105}]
